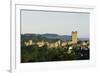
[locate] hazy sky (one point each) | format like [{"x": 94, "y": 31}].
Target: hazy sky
[{"x": 62, "y": 23}]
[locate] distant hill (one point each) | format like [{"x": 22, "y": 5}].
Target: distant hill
[
  {"x": 47, "y": 37},
  {"x": 56, "y": 36}
]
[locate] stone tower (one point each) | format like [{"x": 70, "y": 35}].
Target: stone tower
[{"x": 74, "y": 37}]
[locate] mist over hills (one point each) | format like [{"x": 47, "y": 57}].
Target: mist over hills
[{"x": 48, "y": 37}]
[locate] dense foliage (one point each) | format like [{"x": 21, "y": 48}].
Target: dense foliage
[{"x": 35, "y": 54}]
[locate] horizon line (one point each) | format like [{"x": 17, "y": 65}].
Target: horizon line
[{"x": 56, "y": 34}]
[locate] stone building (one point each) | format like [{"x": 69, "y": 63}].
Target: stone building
[
  {"x": 74, "y": 38},
  {"x": 55, "y": 44}
]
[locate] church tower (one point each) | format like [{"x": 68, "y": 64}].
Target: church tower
[{"x": 74, "y": 37}]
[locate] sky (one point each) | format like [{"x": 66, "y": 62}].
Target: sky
[{"x": 62, "y": 23}]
